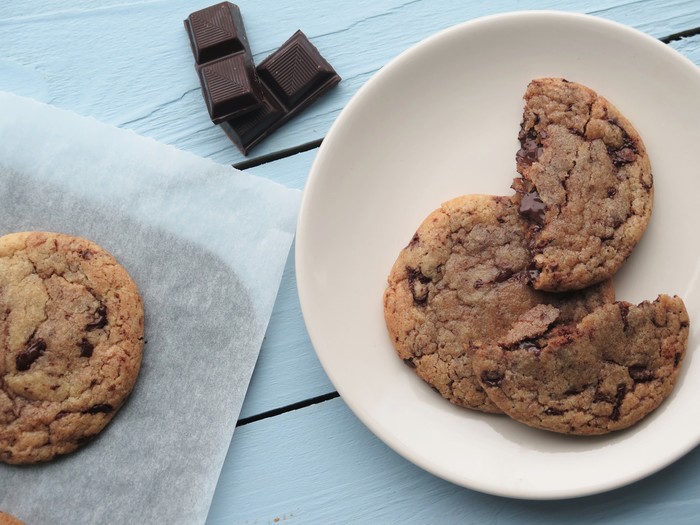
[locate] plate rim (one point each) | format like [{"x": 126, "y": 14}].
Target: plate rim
[{"x": 300, "y": 245}]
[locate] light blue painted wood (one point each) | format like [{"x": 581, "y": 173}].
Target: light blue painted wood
[
  {"x": 320, "y": 465},
  {"x": 689, "y": 47},
  {"x": 287, "y": 370},
  {"x": 129, "y": 64}
]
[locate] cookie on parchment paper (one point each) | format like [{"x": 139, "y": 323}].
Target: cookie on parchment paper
[{"x": 71, "y": 340}]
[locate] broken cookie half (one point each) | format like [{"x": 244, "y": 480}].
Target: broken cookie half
[
  {"x": 585, "y": 187},
  {"x": 602, "y": 374},
  {"x": 461, "y": 279}
]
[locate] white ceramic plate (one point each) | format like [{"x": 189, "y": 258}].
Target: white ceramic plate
[{"x": 439, "y": 121}]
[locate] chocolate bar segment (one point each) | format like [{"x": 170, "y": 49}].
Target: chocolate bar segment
[
  {"x": 230, "y": 87},
  {"x": 292, "y": 77},
  {"x": 230, "y": 84},
  {"x": 248, "y": 130},
  {"x": 216, "y": 31},
  {"x": 296, "y": 70}
]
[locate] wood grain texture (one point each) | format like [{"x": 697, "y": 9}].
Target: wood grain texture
[
  {"x": 129, "y": 63},
  {"x": 287, "y": 370},
  {"x": 689, "y": 47},
  {"x": 321, "y": 465}
]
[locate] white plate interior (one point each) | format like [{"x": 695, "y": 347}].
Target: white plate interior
[{"x": 439, "y": 121}]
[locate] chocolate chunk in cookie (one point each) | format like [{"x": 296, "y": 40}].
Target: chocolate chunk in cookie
[
  {"x": 586, "y": 187},
  {"x": 602, "y": 374},
  {"x": 461, "y": 279},
  {"x": 71, "y": 338}
]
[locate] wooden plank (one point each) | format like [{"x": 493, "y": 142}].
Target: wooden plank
[
  {"x": 287, "y": 370},
  {"x": 321, "y": 465},
  {"x": 129, "y": 64},
  {"x": 689, "y": 47}
]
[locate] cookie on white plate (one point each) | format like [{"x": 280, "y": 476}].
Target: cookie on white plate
[{"x": 586, "y": 186}]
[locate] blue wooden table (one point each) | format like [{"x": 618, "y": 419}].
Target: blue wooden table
[{"x": 298, "y": 454}]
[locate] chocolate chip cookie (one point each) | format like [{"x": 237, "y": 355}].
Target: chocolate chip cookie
[
  {"x": 463, "y": 278},
  {"x": 602, "y": 374},
  {"x": 586, "y": 185},
  {"x": 6, "y": 519},
  {"x": 71, "y": 339}
]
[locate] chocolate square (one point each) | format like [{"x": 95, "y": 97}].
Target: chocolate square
[
  {"x": 246, "y": 131},
  {"x": 216, "y": 31},
  {"x": 250, "y": 103},
  {"x": 292, "y": 77},
  {"x": 230, "y": 87},
  {"x": 295, "y": 71}
]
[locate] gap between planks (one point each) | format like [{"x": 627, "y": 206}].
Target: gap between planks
[
  {"x": 277, "y": 155},
  {"x": 287, "y": 408},
  {"x": 306, "y": 146},
  {"x": 682, "y": 34},
  {"x": 313, "y": 144}
]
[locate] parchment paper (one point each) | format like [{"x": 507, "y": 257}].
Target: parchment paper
[{"x": 206, "y": 245}]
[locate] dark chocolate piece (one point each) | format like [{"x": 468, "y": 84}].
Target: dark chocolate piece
[
  {"x": 530, "y": 147},
  {"x": 31, "y": 353},
  {"x": 532, "y": 207},
  {"x": 640, "y": 373},
  {"x": 491, "y": 378},
  {"x": 216, "y": 31},
  {"x": 100, "y": 320},
  {"x": 248, "y": 130},
  {"x": 292, "y": 78},
  {"x": 103, "y": 408},
  {"x": 619, "y": 397},
  {"x": 418, "y": 284},
  {"x": 625, "y": 153},
  {"x": 230, "y": 87},
  {"x": 296, "y": 71},
  {"x": 86, "y": 348},
  {"x": 225, "y": 65}
]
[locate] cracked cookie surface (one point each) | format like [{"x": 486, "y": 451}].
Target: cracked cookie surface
[
  {"x": 71, "y": 340},
  {"x": 461, "y": 279},
  {"x": 603, "y": 374},
  {"x": 586, "y": 184}
]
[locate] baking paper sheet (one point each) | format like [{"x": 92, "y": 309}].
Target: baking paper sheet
[{"x": 206, "y": 245}]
